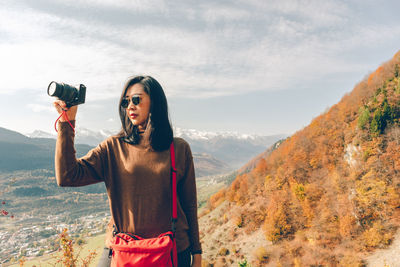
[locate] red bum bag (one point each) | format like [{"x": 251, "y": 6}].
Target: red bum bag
[{"x": 134, "y": 251}]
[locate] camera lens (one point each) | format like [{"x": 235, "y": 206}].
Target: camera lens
[
  {"x": 67, "y": 93},
  {"x": 51, "y": 90}
]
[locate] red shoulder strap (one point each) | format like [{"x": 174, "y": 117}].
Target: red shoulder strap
[{"x": 174, "y": 198}]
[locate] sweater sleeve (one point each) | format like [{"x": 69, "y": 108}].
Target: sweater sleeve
[
  {"x": 71, "y": 171},
  {"x": 188, "y": 198}
]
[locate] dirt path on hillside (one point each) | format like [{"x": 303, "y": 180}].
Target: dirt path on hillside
[{"x": 390, "y": 256}]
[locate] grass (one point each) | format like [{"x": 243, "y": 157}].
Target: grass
[{"x": 95, "y": 243}]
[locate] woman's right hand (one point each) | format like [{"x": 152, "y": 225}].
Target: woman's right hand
[{"x": 61, "y": 106}]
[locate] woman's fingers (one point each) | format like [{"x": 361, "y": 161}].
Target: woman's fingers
[
  {"x": 57, "y": 106},
  {"x": 70, "y": 112},
  {"x": 60, "y": 106}
]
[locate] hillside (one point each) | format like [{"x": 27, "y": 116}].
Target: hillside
[
  {"x": 19, "y": 152},
  {"x": 232, "y": 150},
  {"x": 327, "y": 196},
  {"x": 206, "y": 164}
]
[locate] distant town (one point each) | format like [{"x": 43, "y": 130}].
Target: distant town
[{"x": 41, "y": 238}]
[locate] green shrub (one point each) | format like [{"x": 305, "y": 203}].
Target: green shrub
[
  {"x": 363, "y": 119},
  {"x": 377, "y": 125},
  {"x": 244, "y": 263}
]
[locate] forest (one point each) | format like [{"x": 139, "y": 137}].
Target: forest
[{"x": 326, "y": 196}]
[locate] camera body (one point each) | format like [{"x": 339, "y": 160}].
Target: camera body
[{"x": 71, "y": 95}]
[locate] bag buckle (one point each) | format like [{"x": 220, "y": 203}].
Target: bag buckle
[
  {"x": 114, "y": 232},
  {"x": 173, "y": 226}
]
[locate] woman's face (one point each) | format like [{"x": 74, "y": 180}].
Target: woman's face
[{"x": 138, "y": 114}]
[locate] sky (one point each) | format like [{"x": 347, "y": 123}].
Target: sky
[{"x": 249, "y": 66}]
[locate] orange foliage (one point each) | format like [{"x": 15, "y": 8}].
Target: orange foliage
[
  {"x": 374, "y": 74},
  {"x": 217, "y": 198},
  {"x": 308, "y": 183},
  {"x": 238, "y": 190},
  {"x": 278, "y": 223},
  {"x": 261, "y": 167},
  {"x": 347, "y": 225},
  {"x": 376, "y": 237},
  {"x": 396, "y": 56},
  {"x": 69, "y": 257}
]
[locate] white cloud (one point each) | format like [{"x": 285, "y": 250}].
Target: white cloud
[
  {"x": 40, "y": 108},
  {"x": 266, "y": 45},
  {"x": 314, "y": 12},
  {"x": 134, "y": 5},
  {"x": 218, "y": 12}
]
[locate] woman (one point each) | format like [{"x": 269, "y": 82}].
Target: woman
[{"x": 135, "y": 167}]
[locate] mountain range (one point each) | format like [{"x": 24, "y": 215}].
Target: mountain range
[{"x": 213, "y": 153}]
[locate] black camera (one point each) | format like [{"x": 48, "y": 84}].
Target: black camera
[{"x": 71, "y": 95}]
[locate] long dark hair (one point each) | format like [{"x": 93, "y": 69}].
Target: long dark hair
[{"x": 161, "y": 134}]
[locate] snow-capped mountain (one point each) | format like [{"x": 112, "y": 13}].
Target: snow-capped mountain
[
  {"x": 41, "y": 134},
  {"x": 204, "y": 135},
  {"x": 230, "y": 148},
  {"x": 82, "y": 136},
  {"x": 90, "y": 137},
  {"x": 197, "y": 135}
]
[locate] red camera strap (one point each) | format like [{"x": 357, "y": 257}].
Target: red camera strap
[
  {"x": 66, "y": 116},
  {"x": 174, "y": 185}
]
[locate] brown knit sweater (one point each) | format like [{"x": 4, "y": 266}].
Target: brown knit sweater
[{"x": 138, "y": 183}]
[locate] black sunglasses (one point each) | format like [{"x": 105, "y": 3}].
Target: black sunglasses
[{"x": 135, "y": 100}]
